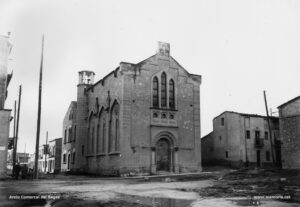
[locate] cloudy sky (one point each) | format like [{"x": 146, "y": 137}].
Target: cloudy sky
[{"x": 239, "y": 47}]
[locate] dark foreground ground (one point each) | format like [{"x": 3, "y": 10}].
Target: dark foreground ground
[{"x": 214, "y": 187}]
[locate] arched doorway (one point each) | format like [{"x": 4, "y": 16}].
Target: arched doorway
[{"x": 163, "y": 155}]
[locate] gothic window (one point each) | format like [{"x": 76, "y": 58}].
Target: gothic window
[
  {"x": 117, "y": 145},
  {"x": 88, "y": 141},
  {"x": 155, "y": 92},
  {"x": 171, "y": 94},
  {"x": 93, "y": 140},
  {"x": 103, "y": 135},
  {"x": 98, "y": 138},
  {"x": 163, "y": 90},
  {"x": 114, "y": 128}
]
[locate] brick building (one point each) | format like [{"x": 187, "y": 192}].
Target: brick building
[
  {"x": 289, "y": 114},
  {"x": 239, "y": 138},
  {"x": 139, "y": 119},
  {"x": 5, "y": 114}
]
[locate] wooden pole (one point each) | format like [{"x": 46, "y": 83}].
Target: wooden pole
[
  {"x": 39, "y": 115},
  {"x": 269, "y": 126},
  {"x": 14, "y": 135},
  {"x": 18, "y": 121},
  {"x": 46, "y": 150}
]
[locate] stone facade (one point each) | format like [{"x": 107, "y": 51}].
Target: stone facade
[
  {"x": 5, "y": 48},
  {"x": 69, "y": 135},
  {"x": 239, "y": 138},
  {"x": 139, "y": 119},
  {"x": 289, "y": 114}
]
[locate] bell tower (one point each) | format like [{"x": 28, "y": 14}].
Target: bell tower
[{"x": 86, "y": 79}]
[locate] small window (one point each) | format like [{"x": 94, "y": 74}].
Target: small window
[
  {"x": 155, "y": 115},
  {"x": 267, "y": 155},
  {"x": 248, "y": 136},
  {"x": 257, "y": 134},
  {"x": 82, "y": 150},
  {"x": 226, "y": 153},
  {"x": 266, "y": 135},
  {"x": 163, "y": 116},
  {"x": 171, "y": 116},
  {"x": 64, "y": 158},
  {"x": 222, "y": 121},
  {"x": 220, "y": 138}
]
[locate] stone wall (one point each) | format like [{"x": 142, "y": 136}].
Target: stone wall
[{"x": 290, "y": 134}]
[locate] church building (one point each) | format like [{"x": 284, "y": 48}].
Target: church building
[{"x": 139, "y": 119}]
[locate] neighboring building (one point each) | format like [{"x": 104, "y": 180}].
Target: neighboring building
[
  {"x": 5, "y": 114},
  {"x": 139, "y": 119},
  {"x": 239, "y": 138},
  {"x": 289, "y": 114},
  {"x": 69, "y": 135},
  {"x": 50, "y": 156}
]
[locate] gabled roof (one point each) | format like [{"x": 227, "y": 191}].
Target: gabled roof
[
  {"x": 137, "y": 64},
  {"x": 244, "y": 114},
  {"x": 288, "y": 102}
]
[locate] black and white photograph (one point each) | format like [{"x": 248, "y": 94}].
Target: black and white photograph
[{"x": 140, "y": 103}]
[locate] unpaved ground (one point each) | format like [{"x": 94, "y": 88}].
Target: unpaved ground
[{"x": 218, "y": 188}]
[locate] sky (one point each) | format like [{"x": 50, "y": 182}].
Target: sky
[{"x": 239, "y": 47}]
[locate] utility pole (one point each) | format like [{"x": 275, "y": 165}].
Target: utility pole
[
  {"x": 269, "y": 126},
  {"x": 14, "y": 135},
  {"x": 46, "y": 150},
  {"x": 17, "y": 127},
  {"x": 39, "y": 116}
]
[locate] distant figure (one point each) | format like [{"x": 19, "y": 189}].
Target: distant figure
[{"x": 17, "y": 170}]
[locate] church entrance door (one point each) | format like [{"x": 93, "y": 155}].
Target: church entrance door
[{"x": 163, "y": 155}]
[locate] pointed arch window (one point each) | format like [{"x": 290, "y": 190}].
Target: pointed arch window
[
  {"x": 163, "y": 90},
  {"x": 114, "y": 128},
  {"x": 171, "y": 94},
  {"x": 155, "y": 92}
]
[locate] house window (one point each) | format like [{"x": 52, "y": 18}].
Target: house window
[
  {"x": 248, "y": 136},
  {"x": 267, "y": 155},
  {"x": 70, "y": 135},
  {"x": 163, "y": 116},
  {"x": 65, "y": 137},
  {"x": 163, "y": 90},
  {"x": 226, "y": 154},
  {"x": 74, "y": 138},
  {"x": 64, "y": 158},
  {"x": 155, "y": 92},
  {"x": 257, "y": 134},
  {"x": 220, "y": 138},
  {"x": 82, "y": 150},
  {"x": 266, "y": 135},
  {"x": 171, "y": 94},
  {"x": 222, "y": 121}
]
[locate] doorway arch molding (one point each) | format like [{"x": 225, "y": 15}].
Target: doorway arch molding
[{"x": 167, "y": 135}]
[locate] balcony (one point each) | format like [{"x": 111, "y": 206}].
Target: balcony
[{"x": 259, "y": 142}]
